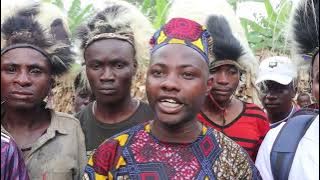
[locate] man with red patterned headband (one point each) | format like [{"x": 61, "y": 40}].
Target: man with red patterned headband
[{"x": 175, "y": 145}]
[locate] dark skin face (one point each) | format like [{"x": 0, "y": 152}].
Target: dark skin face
[
  {"x": 225, "y": 81},
  {"x": 277, "y": 99},
  {"x": 25, "y": 82},
  {"x": 25, "y": 74},
  {"x": 82, "y": 99},
  {"x": 304, "y": 101},
  {"x": 110, "y": 67},
  {"x": 177, "y": 81},
  {"x": 315, "y": 78}
]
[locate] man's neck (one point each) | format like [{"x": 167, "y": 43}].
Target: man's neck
[
  {"x": 23, "y": 119},
  {"x": 115, "y": 112},
  {"x": 184, "y": 133},
  {"x": 276, "y": 117}
]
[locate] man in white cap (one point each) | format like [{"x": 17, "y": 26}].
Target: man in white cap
[{"x": 276, "y": 81}]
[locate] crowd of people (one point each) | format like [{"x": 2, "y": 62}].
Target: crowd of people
[{"x": 192, "y": 125}]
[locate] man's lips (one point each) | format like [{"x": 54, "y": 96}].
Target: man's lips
[
  {"x": 221, "y": 91},
  {"x": 107, "y": 91},
  {"x": 170, "y": 105},
  {"x": 272, "y": 105},
  {"x": 21, "y": 94}
]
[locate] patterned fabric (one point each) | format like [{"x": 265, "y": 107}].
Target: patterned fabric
[
  {"x": 12, "y": 163},
  {"x": 137, "y": 154},
  {"x": 186, "y": 32},
  {"x": 248, "y": 129}
]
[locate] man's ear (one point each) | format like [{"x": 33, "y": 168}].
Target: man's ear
[{"x": 209, "y": 84}]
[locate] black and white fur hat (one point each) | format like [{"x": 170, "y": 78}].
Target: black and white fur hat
[
  {"x": 120, "y": 17},
  {"x": 304, "y": 31},
  {"x": 40, "y": 26}
]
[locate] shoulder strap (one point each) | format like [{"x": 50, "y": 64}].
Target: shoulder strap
[{"x": 286, "y": 143}]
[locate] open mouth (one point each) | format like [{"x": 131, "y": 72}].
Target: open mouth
[
  {"x": 272, "y": 105},
  {"x": 170, "y": 106}
]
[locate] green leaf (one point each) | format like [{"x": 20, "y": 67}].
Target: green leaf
[
  {"x": 160, "y": 20},
  {"x": 74, "y": 9},
  {"x": 146, "y": 5},
  {"x": 270, "y": 11},
  {"x": 76, "y": 21},
  {"x": 59, "y": 3},
  {"x": 284, "y": 11}
]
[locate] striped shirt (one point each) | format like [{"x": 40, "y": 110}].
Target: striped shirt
[
  {"x": 12, "y": 163},
  {"x": 248, "y": 129}
]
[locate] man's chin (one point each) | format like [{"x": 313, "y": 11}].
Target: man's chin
[
  {"x": 173, "y": 122},
  {"x": 20, "y": 105}
]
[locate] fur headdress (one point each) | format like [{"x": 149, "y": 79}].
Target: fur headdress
[
  {"x": 41, "y": 27},
  {"x": 229, "y": 40},
  {"x": 305, "y": 31},
  {"x": 122, "y": 20},
  {"x": 201, "y": 10}
]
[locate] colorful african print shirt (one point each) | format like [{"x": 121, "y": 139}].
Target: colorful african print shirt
[
  {"x": 248, "y": 129},
  {"x": 12, "y": 163},
  {"x": 137, "y": 154}
]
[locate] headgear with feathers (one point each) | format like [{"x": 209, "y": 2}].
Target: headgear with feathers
[
  {"x": 229, "y": 40},
  {"x": 226, "y": 48},
  {"x": 119, "y": 20},
  {"x": 41, "y": 27},
  {"x": 305, "y": 30}
]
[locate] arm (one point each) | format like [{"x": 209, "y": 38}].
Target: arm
[
  {"x": 13, "y": 167},
  {"x": 82, "y": 158}
]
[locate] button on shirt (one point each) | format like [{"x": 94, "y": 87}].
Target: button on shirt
[
  {"x": 59, "y": 154},
  {"x": 306, "y": 161}
]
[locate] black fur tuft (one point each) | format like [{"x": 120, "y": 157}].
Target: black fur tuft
[
  {"x": 306, "y": 26},
  {"x": 225, "y": 45},
  {"x": 23, "y": 28}
]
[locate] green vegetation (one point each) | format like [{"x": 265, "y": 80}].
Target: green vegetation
[
  {"x": 76, "y": 14},
  {"x": 269, "y": 33}
]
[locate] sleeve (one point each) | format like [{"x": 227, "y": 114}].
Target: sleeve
[
  {"x": 263, "y": 127},
  {"x": 14, "y": 167},
  {"x": 263, "y": 157},
  {"x": 82, "y": 158},
  {"x": 245, "y": 166},
  {"x": 101, "y": 162}
]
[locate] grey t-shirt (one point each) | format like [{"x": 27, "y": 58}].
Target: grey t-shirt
[{"x": 96, "y": 132}]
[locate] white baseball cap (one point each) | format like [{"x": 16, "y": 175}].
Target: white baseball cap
[{"x": 278, "y": 68}]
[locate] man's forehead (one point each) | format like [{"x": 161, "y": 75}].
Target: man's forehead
[{"x": 275, "y": 84}]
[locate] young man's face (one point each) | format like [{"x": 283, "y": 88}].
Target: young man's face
[
  {"x": 25, "y": 78},
  {"x": 225, "y": 81},
  {"x": 110, "y": 67},
  {"x": 177, "y": 81},
  {"x": 315, "y": 78},
  {"x": 276, "y": 98},
  {"x": 304, "y": 101},
  {"x": 82, "y": 98}
]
